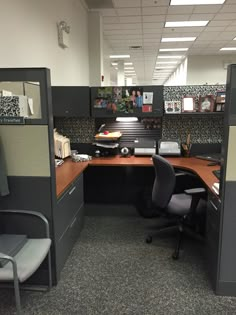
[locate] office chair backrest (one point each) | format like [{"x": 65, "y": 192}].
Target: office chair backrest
[{"x": 164, "y": 183}]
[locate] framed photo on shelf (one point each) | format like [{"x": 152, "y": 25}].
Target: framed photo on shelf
[
  {"x": 169, "y": 107},
  {"x": 206, "y": 103},
  {"x": 177, "y": 107},
  {"x": 219, "y": 107},
  {"x": 188, "y": 104}
]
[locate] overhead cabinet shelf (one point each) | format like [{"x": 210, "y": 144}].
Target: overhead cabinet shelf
[
  {"x": 127, "y": 101},
  {"x": 71, "y": 101}
]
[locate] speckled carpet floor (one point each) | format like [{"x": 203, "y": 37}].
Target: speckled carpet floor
[{"x": 112, "y": 271}]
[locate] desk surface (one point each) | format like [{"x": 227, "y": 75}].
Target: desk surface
[{"x": 68, "y": 171}]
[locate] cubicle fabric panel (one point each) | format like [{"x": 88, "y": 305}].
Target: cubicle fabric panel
[
  {"x": 176, "y": 93},
  {"x": 203, "y": 129},
  {"x": 26, "y": 150},
  {"x": 78, "y": 130}
]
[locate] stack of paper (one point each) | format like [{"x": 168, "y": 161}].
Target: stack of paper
[{"x": 216, "y": 187}]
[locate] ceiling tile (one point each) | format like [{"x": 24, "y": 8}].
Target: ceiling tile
[
  {"x": 153, "y": 18},
  {"x": 180, "y": 9},
  {"x": 208, "y": 36},
  {"x": 231, "y": 28},
  {"x": 153, "y": 25},
  {"x": 177, "y": 17},
  {"x": 206, "y": 8},
  {"x": 202, "y": 17},
  {"x": 152, "y": 31},
  {"x": 129, "y": 12},
  {"x": 108, "y": 12},
  {"x": 214, "y": 29},
  {"x": 225, "y": 16},
  {"x": 180, "y": 30},
  {"x": 219, "y": 23},
  {"x": 131, "y": 26},
  {"x": 130, "y": 19},
  {"x": 154, "y": 10},
  {"x": 111, "y": 27},
  {"x": 152, "y": 37},
  {"x": 109, "y": 20},
  {"x": 226, "y": 35},
  {"x": 228, "y": 9},
  {"x": 127, "y": 3},
  {"x": 151, "y": 3}
]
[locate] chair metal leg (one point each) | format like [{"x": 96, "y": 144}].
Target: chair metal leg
[
  {"x": 180, "y": 238},
  {"x": 16, "y": 288},
  {"x": 49, "y": 270}
]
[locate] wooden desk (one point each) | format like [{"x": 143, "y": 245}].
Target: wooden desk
[{"x": 68, "y": 172}]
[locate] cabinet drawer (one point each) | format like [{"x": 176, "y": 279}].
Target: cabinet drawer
[
  {"x": 68, "y": 205},
  {"x": 65, "y": 244}
]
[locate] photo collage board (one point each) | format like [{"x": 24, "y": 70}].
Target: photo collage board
[{"x": 127, "y": 100}]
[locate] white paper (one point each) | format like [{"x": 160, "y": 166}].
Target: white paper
[
  {"x": 188, "y": 103},
  {"x": 147, "y": 97},
  {"x": 31, "y": 105}
]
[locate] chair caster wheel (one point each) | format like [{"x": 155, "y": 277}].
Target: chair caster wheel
[
  {"x": 175, "y": 256},
  {"x": 148, "y": 239}
]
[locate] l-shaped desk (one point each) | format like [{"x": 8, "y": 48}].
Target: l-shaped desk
[
  {"x": 69, "y": 170},
  {"x": 70, "y": 181}
]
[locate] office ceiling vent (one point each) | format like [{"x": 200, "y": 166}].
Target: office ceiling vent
[
  {"x": 99, "y": 4},
  {"x": 135, "y": 47}
]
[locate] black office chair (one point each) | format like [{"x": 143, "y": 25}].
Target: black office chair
[{"x": 180, "y": 207}]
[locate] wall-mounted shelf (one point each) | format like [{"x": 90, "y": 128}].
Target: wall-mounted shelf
[{"x": 196, "y": 114}]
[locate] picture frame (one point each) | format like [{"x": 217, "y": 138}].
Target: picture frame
[
  {"x": 206, "y": 103},
  {"x": 188, "y": 104},
  {"x": 218, "y": 107},
  {"x": 169, "y": 107}
]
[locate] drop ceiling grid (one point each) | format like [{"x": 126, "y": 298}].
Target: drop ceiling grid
[{"x": 141, "y": 23}]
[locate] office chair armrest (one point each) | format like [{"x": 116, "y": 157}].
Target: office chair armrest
[
  {"x": 195, "y": 191},
  {"x": 32, "y": 213},
  {"x": 184, "y": 173}
]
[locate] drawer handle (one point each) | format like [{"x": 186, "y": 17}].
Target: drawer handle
[
  {"x": 75, "y": 219},
  {"x": 213, "y": 205},
  {"x": 71, "y": 191}
]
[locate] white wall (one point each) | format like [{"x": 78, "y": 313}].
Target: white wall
[
  {"x": 106, "y": 63},
  {"x": 29, "y": 38},
  {"x": 208, "y": 69},
  {"x": 179, "y": 77}
]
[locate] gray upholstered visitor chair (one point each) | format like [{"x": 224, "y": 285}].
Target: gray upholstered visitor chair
[
  {"x": 178, "y": 207},
  {"x": 27, "y": 258}
]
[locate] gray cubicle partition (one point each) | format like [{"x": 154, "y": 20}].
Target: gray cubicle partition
[{"x": 221, "y": 232}]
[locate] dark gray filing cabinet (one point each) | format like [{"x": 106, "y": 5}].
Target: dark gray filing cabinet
[
  {"x": 68, "y": 221},
  {"x": 71, "y": 101}
]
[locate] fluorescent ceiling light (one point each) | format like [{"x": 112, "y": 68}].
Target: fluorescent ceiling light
[
  {"x": 169, "y": 57},
  {"x": 129, "y": 71},
  {"x": 195, "y": 2},
  {"x": 130, "y": 74},
  {"x": 119, "y": 56},
  {"x": 129, "y": 68},
  {"x": 126, "y": 119},
  {"x": 173, "y": 49},
  {"x": 116, "y": 68},
  {"x": 169, "y": 62},
  {"x": 186, "y": 23},
  {"x": 114, "y": 63},
  {"x": 228, "y": 48},
  {"x": 165, "y": 67},
  {"x": 177, "y": 39},
  {"x": 234, "y": 38},
  {"x": 128, "y": 63}
]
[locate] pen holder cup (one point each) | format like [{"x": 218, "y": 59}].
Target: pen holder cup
[{"x": 186, "y": 153}]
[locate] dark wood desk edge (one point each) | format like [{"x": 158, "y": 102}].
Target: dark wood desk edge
[{"x": 69, "y": 171}]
